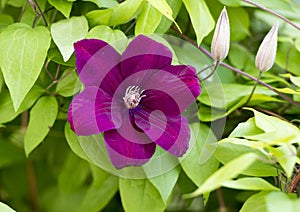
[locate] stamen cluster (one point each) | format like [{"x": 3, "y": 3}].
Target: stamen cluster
[{"x": 133, "y": 96}]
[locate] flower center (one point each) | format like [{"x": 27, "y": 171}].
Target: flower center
[{"x": 133, "y": 96}]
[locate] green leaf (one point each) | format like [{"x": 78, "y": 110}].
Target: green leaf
[
  {"x": 66, "y": 32},
  {"x": 239, "y": 56},
  {"x": 7, "y": 111},
  {"x": 276, "y": 130},
  {"x": 286, "y": 155},
  {"x": 245, "y": 128},
  {"x": 5, "y": 20},
  {"x": 148, "y": 20},
  {"x": 290, "y": 63},
  {"x": 94, "y": 147},
  {"x": 69, "y": 180},
  {"x": 120, "y": 14},
  {"x": 55, "y": 55},
  {"x": 15, "y": 3},
  {"x": 163, "y": 7},
  {"x": 278, "y": 202},
  {"x": 5, "y": 208},
  {"x": 165, "y": 183},
  {"x": 231, "y": 148},
  {"x": 249, "y": 183},
  {"x": 9, "y": 153},
  {"x": 1, "y": 81},
  {"x": 275, "y": 4},
  {"x": 239, "y": 23},
  {"x": 231, "y": 3},
  {"x": 62, "y": 6},
  {"x": 256, "y": 202},
  {"x": 297, "y": 43},
  {"x": 295, "y": 80},
  {"x": 104, "y": 3},
  {"x": 73, "y": 142},
  {"x": 116, "y": 38},
  {"x": 211, "y": 114},
  {"x": 69, "y": 85},
  {"x": 199, "y": 163},
  {"x": 140, "y": 195},
  {"x": 42, "y": 118},
  {"x": 165, "y": 23},
  {"x": 102, "y": 190},
  {"x": 201, "y": 18},
  {"x": 228, "y": 95},
  {"x": 225, "y": 173},
  {"x": 23, "y": 51}
]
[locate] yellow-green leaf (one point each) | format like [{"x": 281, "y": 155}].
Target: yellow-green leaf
[
  {"x": 201, "y": 18},
  {"x": 42, "y": 117},
  {"x": 23, "y": 51}
]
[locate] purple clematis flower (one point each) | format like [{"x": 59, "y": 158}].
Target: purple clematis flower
[{"x": 135, "y": 98}]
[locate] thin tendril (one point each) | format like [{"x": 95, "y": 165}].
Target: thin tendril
[
  {"x": 204, "y": 69},
  {"x": 216, "y": 65}
]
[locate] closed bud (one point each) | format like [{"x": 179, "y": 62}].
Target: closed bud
[
  {"x": 266, "y": 53},
  {"x": 221, "y": 38}
]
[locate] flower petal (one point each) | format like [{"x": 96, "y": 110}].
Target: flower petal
[
  {"x": 128, "y": 146},
  {"x": 188, "y": 75},
  {"x": 144, "y": 53},
  {"x": 91, "y": 112},
  {"x": 161, "y": 101},
  {"x": 169, "y": 132},
  {"x": 180, "y": 83},
  {"x": 94, "y": 60}
]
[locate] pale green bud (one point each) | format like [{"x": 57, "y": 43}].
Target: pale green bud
[
  {"x": 266, "y": 53},
  {"x": 221, "y": 38}
]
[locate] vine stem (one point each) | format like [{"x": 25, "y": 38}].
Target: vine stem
[
  {"x": 272, "y": 12},
  {"x": 294, "y": 183},
  {"x": 31, "y": 178},
  {"x": 238, "y": 71},
  {"x": 254, "y": 87},
  {"x": 221, "y": 200},
  {"x": 216, "y": 65},
  {"x": 39, "y": 12}
]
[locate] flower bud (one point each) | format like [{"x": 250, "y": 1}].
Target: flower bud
[
  {"x": 221, "y": 38},
  {"x": 266, "y": 53}
]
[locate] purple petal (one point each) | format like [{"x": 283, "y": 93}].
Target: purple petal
[
  {"x": 161, "y": 101},
  {"x": 95, "y": 59},
  {"x": 128, "y": 146},
  {"x": 169, "y": 132},
  {"x": 144, "y": 53},
  {"x": 180, "y": 83},
  {"x": 188, "y": 75},
  {"x": 91, "y": 112}
]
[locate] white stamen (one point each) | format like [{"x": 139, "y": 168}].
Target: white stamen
[{"x": 133, "y": 96}]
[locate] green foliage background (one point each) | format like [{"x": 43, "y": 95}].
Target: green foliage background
[{"x": 251, "y": 165}]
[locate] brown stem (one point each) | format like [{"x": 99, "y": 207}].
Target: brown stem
[
  {"x": 39, "y": 12},
  {"x": 294, "y": 183},
  {"x": 33, "y": 191},
  {"x": 221, "y": 200},
  {"x": 238, "y": 71},
  {"x": 272, "y": 114},
  {"x": 55, "y": 81},
  {"x": 47, "y": 70},
  {"x": 272, "y": 12}
]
